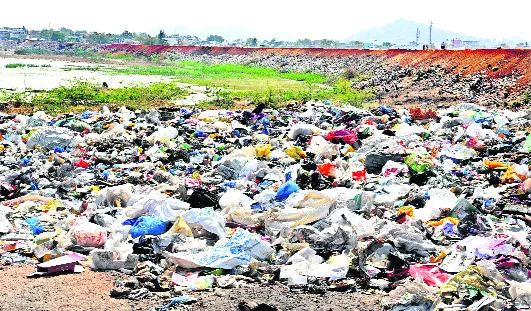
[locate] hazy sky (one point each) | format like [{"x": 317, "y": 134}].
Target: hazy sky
[{"x": 283, "y": 19}]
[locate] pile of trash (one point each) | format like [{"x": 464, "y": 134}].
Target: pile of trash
[{"x": 431, "y": 207}]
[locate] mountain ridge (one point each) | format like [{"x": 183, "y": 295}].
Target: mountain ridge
[{"x": 402, "y": 31}]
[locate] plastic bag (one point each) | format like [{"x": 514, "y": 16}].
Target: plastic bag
[
  {"x": 88, "y": 234},
  {"x": 303, "y": 208},
  {"x": 419, "y": 163},
  {"x": 117, "y": 243},
  {"x": 521, "y": 295},
  {"x": 343, "y": 135},
  {"x": 180, "y": 227},
  {"x": 34, "y": 225},
  {"x": 392, "y": 168},
  {"x": 5, "y": 225},
  {"x": 327, "y": 169},
  {"x": 440, "y": 199},
  {"x": 295, "y": 152},
  {"x": 431, "y": 274},
  {"x": 263, "y": 150},
  {"x": 51, "y": 137},
  {"x": 286, "y": 190},
  {"x": 527, "y": 144},
  {"x": 152, "y": 225},
  {"x": 239, "y": 250},
  {"x": 207, "y": 218}
]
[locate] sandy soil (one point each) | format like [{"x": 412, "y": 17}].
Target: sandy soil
[{"x": 90, "y": 291}]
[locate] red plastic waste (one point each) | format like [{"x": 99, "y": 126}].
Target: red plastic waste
[
  {"x": 344, "y": 135},
  {"x": 326, "y": 169},
  {"x": 418, "y": 114},
  {"x": 430, "y": 274},
  {"x": 359, "y": 175},
  {"x": 81, "y": 163}
]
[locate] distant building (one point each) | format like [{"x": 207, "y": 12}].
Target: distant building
[
  {"x": 123, "y": 40},
  {"x": 186, "y": 40},
  {"x": 12, "y": 33},
  {"x": 4, "y": 34},
  {"x": 457, "y": 43},
  {"x": 17, "y": 34},
  {"x": 471, "y": 44},
  {"x": 341, "y": 45}
]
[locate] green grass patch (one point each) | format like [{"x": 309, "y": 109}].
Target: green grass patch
[
  {"x": 20, "y": 65},
  {"x": 229, "y": 83},
  {"x": 219, "y": 73},
  {"x": 15, "y": 65},
  {"x": 340, "y": 92},
  {"x": 86, "y": 93},
  {"x": 120, "y": 56},
  {"x": 78, "y": 53}
]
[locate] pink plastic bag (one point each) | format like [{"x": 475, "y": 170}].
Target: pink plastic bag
[
  {"x": 89, "y": 234},
  {"x": 430, "y": 274}
]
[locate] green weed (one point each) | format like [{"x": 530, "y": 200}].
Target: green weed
[
  {"x": 15, "y": 65},
  {"x": 87, "y": 93},
  {"x": 20, "y": 65},
  {"x": 196, "y": 70}
]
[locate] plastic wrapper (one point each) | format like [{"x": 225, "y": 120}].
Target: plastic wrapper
[
  {"x": 51, "y": 137},
  {"x": 208, "y": 219},
  {"x": 239, "y": 250},
  {"x": 304, "y": 208}
]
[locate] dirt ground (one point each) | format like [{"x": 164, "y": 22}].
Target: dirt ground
[
  {"x": 90, "y": 291},
  {"x": 87, "y": 291}
]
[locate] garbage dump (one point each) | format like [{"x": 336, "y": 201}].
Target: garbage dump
[{"x": 430, "y": 207}]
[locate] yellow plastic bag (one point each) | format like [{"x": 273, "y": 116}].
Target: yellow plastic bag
[
  {"x": 180, "y": 227},
  {"x": 263, "y": 150},
  {"x": 52, "y": 205},
  {"x": 295, "y": 152}
]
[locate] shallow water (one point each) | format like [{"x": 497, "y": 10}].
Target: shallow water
[{"x": 60, "y": 73}]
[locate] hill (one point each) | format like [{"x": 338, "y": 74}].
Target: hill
[{"x": 404, "y": 31}]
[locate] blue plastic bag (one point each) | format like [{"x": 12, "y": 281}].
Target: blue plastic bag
[
  {"x": 152, "y": 225},
  {"x": 286, "y": 189},
  {"x": 35, "y": 227}
]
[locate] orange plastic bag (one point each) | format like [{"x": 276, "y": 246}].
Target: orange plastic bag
[{"x": 327, "y": 169}]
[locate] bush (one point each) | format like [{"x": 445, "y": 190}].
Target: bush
[{"x": 15, "y": 65}]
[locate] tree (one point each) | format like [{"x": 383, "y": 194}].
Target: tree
[
  {"x": 149, "y": 40},
  {"x": 215, "y": 38},
  {"x": 101, "y": 38},
  {"x": 161, "y": 37},
  {"x": 387, "y": 45},
  {"x": 126, "y": 35},
  {"x": 304, "y": 43},
  {"x": 57, "y": 36},
  {"x": 251, "y": 42},
  {"x": 357, "y": 44},
  {"x": 325, "y": 43}
]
